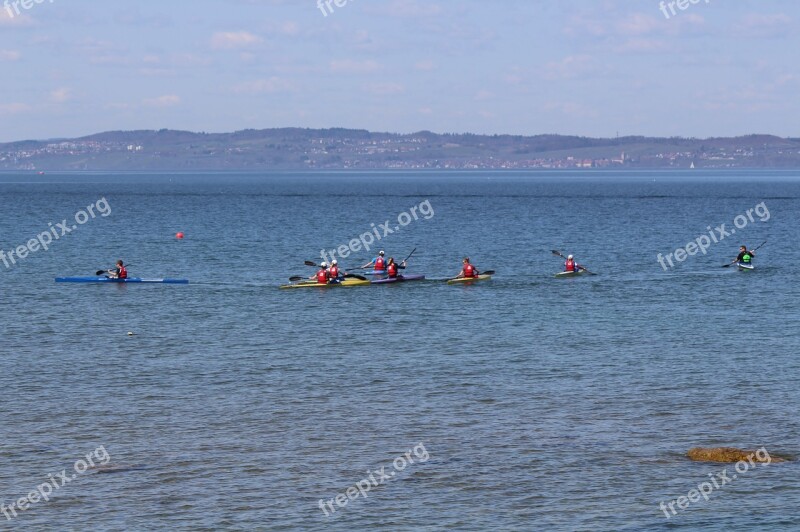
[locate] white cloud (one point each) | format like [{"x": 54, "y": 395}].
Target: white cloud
[
  {"x": 13, "y": 108},
  {"x": 412, "y": 9},
  {"x": 261, "y": 86},
  {"x": 571, "y": 109},
  {"x": 771, "y": 26},
  {"x": 167, "y": 100},
  {"x": 14, "y": 20},
  {"x": 9, "y": 55},
  {"x": 350, "y": 66},
  {"x": 228, "y": 40},
  {"x": 385, "y": 89},
  {"x": 571, "y": 67},
  {"x": 60, "y": 95}
]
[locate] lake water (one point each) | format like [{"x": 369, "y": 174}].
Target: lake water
[{"x": 527, "y": 402}]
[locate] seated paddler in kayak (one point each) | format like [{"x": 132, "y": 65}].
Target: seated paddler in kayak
[
  {"x": 571, "y": 265},
  {"x": 468, "y": 271},
  {"x": 119, "y": 272},
  {"x": 322, "y": 276},
  {"x": 392, "y": 268},
  {"x": 378, "y": 263},
  {"x": 745, "y": 257},
  {"x": 334, "y": 276}
]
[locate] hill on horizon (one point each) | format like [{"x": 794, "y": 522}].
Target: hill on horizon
[{"x": 340, "y": 148}]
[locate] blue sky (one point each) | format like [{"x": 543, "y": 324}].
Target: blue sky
[{"x": 585, "y": 67}]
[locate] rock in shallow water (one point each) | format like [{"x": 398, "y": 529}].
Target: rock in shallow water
[{"x": 731, "y": 454}]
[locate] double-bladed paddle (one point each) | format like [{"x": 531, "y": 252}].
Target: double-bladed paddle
[
  {"x": 409, "y": 256},
  {"x": 737, "y": 258},
  {"x": 347, "y": 276},
  {"x": 101, "y": 272},
  {"x": 556, "y": 252}
]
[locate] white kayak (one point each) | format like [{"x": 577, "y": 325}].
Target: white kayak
[
  {"x": 745, "y": 267},
  {"x": 563, "y": 275}
]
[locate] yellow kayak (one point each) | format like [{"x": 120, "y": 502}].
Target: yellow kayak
[
  {"x": 482, "y": 277},
  {"x": 314, "y": 284}
]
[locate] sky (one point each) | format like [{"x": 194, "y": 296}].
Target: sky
[{"x": 577, "y": 67}]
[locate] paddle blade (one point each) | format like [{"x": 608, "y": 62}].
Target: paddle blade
[
  {"x": 100, "y": 272},
  {"x": 296, "y": 278},
  {"x": 309, "y": 263},
  {"x": 488, "y": 272},
  {"x": 354, "y": 276},
  {"x": 557, "y": 253}
]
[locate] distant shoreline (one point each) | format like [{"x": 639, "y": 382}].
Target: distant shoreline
[{"x": 294, "y": 149}]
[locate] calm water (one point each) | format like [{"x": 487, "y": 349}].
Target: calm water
[{"x": 542, "y": 404}]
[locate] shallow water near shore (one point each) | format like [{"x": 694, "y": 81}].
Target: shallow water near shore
[{"x": 543, "y": 403}]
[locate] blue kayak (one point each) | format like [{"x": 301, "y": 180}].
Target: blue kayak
[
  {"x": 374, "y": 272},
  {"x": 116, "y": 281}
]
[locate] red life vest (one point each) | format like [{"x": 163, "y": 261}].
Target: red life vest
[
  {"x": 469, "y": 270},
  {"x": 379, "y": 264},
  {"x": 334, "y": 272},
  {"x": 123, "y": 273},
  {"x": 392, "y": 270},
  {"x": 322, "y": 276},
  {"x": 570, "y": 265}
]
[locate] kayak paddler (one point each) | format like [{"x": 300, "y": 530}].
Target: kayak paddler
[
  {"x": 391, "y": 268},
  {"x": 119, "y": 272},
  {"x": 571, "y": 265},
  {"x": 468, "y": 270},
  {"x": 745, "y": 257},
  {"x": 378, "y": 263},
  {"x": 322, "y": 276},
  {"x": 333, "y": 272}
]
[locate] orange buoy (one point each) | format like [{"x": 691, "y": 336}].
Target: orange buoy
[{"x": 179, "y": 235}]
